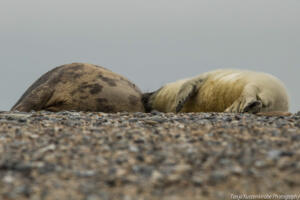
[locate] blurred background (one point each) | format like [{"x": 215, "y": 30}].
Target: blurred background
[{"x": 149, "y": 42}]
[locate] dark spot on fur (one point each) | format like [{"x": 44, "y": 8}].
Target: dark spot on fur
[
  {"x": 84, "y": 86},
  {"x": 93, "y": 88},
  {"x": 74, "y": 75},
  {"x": 107, "y": 108},
  {"x": 75, "y": 66},
  {"x": 83, "y": 97},
  {"x": 56, "y": 78},
  {"x": 96, "y": 88},
  {"x": 69, "y": 73},
  {"x": 101, "y": 100},
  {"x": 73, "y": 72},
  {"x": 103, "y": 106},
  {"x": 109, "y": 81},
  {"x": 133, "y": 100}
]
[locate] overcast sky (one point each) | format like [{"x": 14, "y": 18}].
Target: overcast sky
[{"x": 149, "y": 42}]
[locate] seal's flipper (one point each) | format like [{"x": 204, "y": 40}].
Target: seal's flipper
[
  {"x": 252, "y": 107},
  {"x": 248, "y": 102},
  {"x": 35, "y": 99},
  {"x": 187, "y": 91}
]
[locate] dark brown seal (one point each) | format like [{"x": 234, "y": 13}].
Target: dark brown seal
[{"x": 81, "y": 87}]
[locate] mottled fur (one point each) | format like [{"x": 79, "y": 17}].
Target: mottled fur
[
  {"x": 221, "y": 91},
  {"x": 81, "y": 87}
]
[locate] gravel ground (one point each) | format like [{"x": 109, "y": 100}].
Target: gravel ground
[{"x": 140, "y": 156}]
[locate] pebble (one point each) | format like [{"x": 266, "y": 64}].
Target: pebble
[
  {"x": 8, "y": 179},
  {"x": 274, "y": 154}
]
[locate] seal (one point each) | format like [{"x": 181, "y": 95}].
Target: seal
[
  {"x": 81, "y": 87},
  {"x": 223, "y": 90}
]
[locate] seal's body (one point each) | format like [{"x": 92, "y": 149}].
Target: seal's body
[
  {"x": 224, "y": 90},
  {"x": 81, "y": 87}
]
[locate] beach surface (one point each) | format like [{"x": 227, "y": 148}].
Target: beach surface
[{"x": 148, "y": 156}]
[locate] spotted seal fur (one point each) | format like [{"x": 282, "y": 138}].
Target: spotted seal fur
[{"x": 81, "y": 87}]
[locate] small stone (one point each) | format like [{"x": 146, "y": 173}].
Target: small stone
[
  {"x": 155, "y": 112},
  {"x": 33, "y": 136},
  {"x": 50, "y": 147},
  {"x": 156, "y": 176},
  {"x": 86, "y": 173},
  {"x": 237, "y": 169},
  {"x": 8, "y": 179},
  {"x": 274, "y": 154},
  {"x": 133, "y": 148},
  {"x": 151, "y": 122}
]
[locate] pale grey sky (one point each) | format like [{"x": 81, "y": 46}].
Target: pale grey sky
[{"x": 149, "y": 42}]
